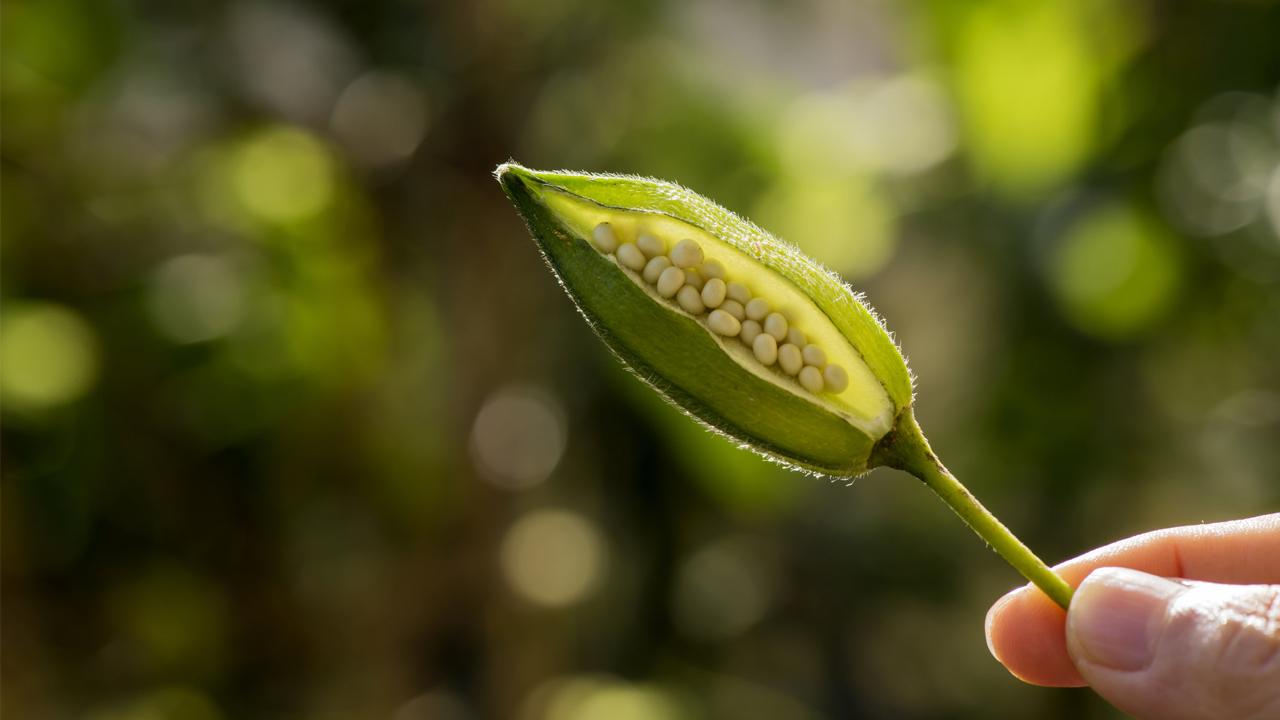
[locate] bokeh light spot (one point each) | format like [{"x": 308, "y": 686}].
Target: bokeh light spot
[
  {"x": 195, "y": 298},
  {"x": 588, "y": 697},
  {"x": 48, "y": 356},
  {"x": 721, "y": 591},
  {"x": 1028, "y": 84},
  {"x": 817, "y": 134},
  {"x": 518, "y": 437},
  {"x": 288, "y": 58},
  {"x": 625, "y": 702},
  {"x": 847, "y": 222},
  {"x": 381, "y": 118},
  {"x": 174, "y": 620},
  {"x": 553, "y": 558},
  {"x": 901, "y": 125},
  {"x": 904, "y": 126},
  {"x": 1115, "y": 272},
  {"x": 284, "y": 175},
  {"x": 1211, "y": 179},
  {"x": 1217, "y": 177}
]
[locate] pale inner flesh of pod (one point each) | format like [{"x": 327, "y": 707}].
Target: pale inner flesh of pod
[{"x": 761, "y": 320}]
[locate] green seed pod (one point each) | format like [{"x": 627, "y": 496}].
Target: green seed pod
[
  {"x": 742, "y": 332},
  {"x": 697, "y": 361}
]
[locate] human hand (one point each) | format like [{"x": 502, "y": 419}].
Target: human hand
[{"x": 1168, "y": 625}]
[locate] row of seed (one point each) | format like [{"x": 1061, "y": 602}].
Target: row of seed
[{"x": 698, "y": 285}]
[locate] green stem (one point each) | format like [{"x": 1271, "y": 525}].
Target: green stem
[{"x": 907, "y": 449}]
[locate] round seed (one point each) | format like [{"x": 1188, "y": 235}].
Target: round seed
[
  {"x": 776, "y": 325},
  {"x": 750, "y": 330},
  {"x": 690, "y": 300},
  {"x": 765, "y": 348},
  {"x": 837, "y": 379},
  {"x": 739, "y": 292},
  {"x": 651, "y": 246},
  {"x": 694, "y": 278},
  {"x": 789, "y": 359},
  {"x": 811, "y": 379},
  {"x": 734, "y": 308},
  {"x": 653, "y": 269},
  {"x": 813, "y": 355},
  {"x": 604, "y": 238},
  {"x": 713, "y": 269},
  {"x": 758, "y": 308},
  {"x": 630, "y": 256},
  {"x": 669, "y": 281},
  {"x": 713, "y": 292},
  {"x": 797, "y": 338},
  {"x": 722, "y": 323},
  {"x": 686, "y": 253}
]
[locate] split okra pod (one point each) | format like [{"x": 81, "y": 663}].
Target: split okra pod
[{"x": 742, "y": 332}]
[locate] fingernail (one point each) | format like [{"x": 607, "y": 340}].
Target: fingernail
[{"x": 1116, "y": 617}]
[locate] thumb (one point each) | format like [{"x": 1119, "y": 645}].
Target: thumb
[{"x": 1157, "y": 648}]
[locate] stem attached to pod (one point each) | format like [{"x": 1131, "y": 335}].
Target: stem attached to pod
[{"x": 906, "y": 448}]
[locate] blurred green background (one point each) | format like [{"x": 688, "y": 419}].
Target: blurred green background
[{"x": 297, "y": 425}]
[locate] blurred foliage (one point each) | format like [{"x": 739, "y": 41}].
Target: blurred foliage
[{"x": 295, "y": 424}]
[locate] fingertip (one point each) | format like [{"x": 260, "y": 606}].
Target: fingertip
[
  {"x": 1026, "y": 632},
  {"x": 993, "y": 617}
]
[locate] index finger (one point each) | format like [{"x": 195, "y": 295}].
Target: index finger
[{"x": 1026, "y": 630}]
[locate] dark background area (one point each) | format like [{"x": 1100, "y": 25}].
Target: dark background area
[{"x": 297, "y": 425}]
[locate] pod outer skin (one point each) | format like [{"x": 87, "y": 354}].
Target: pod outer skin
[{"x": 671, "y": 351}]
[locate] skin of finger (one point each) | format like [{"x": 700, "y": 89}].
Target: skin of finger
[
  {"x": 1217, "y": 659},
  {"x": 1026, "y": 631}
]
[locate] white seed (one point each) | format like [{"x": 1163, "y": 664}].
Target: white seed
[
  {"x": 686, "y": 253},
  {"x": 811, "y": 379},
  {"x": 739, "y": 292},
  {"x": 758, "y": 308},
  {"x": 797, "y": 338},
  {"x": 713, "y": 269},
  {"x": 734, "y": 308},
  {"x": 765, "y": 348},
  {"x": 713, "y": 292},
  {"x": 604, "y": 238},
  {"x": 789, "y": 358},
  {"x": 750, "y": 330},
  {"x": 690, "y": 300},
  {"x": 670, "y": 281},
  {"x": 776, "y": 325},
  {"x": 813, "y": 355},
  {"x": 630, "y": 256},
  {"x": 653, "y": 269},
  {"x": 837, "y": 379},
  {"x": 651, "y": 246},
  {"x": 722, "y": 323},
  {"x": 694, "y": 278}
]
